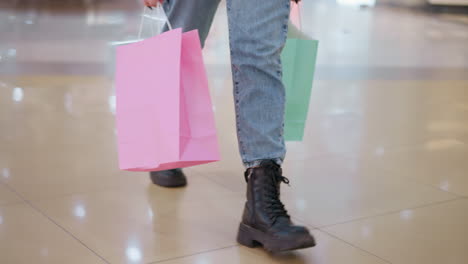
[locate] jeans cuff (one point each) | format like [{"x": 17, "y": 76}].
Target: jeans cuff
[{"x": 256, "y": 163}]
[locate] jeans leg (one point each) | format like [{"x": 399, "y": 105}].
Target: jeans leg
[
  {"x": 192, "y": 14},
  {"x": 257, "y": 35}
]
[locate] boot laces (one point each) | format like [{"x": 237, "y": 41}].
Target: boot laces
[{"x": 274, "y": 205}]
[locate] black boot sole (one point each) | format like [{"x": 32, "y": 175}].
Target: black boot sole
[{"x": 251, "y": 237}]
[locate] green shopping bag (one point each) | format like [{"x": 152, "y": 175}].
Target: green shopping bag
[{"x": 298, "y": 58}]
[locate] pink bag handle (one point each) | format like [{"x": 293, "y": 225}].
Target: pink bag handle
[{"x": 299, "y": 14}]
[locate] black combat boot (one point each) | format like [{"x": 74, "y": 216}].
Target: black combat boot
[
  {"x": 169, "y": 178},
  {"x": 265, "y": 221}
]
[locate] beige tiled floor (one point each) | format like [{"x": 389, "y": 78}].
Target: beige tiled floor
[
  {"x": 439, "y": 162},
  {"x": 432, "y": 234},
  {"x": 359, "y": 190},
  {"x": 152, "y": 224},
  {"x": 7, "y": 196},
  {"x": 29, "y": 237},
  {"x": 381, "y": 175},
  {"x": 329, "y": 251}
]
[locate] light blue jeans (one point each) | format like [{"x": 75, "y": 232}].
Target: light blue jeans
[{"x": 257, "y": 35}]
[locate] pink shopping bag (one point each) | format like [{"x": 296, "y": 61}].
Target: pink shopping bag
[{"x": 164, "y": 112}]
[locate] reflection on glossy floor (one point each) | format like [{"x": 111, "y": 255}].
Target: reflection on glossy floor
[{"x": 381, "y": 176}]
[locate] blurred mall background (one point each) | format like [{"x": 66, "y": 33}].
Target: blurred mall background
[{"x": 380, "y": 177}]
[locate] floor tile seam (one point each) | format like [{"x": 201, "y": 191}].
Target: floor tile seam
[
  {"x": 241, "y": 195},
  {"x": 327, "y": 226},
  {"x": 51, "y": 220},
  {"x": 352, "y": 154},
  {"x": 413, "y": 180},
  {"x": 356, "y": 247},
  {"x": 200, "y": 174},
  {"x": 194, "y": 254},
  {"x": 80, "y": 193},
  {"x": 9, "y": 188}
]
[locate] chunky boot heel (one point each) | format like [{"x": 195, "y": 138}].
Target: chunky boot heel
[{"x": 245, "y": 237}]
